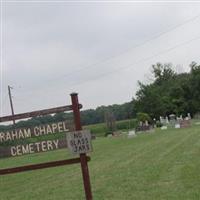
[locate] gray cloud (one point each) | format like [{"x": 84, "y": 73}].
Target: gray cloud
[{"x": 54, "y": 49}]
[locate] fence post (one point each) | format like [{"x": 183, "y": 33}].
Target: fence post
[{"x": 83, "y": 158}]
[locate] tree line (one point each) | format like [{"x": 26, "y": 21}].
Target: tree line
[
  {"x": 168, "y": 93},
  {"x": 90, "y": 116}
]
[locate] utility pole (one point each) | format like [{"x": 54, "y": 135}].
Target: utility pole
[{"x": 11, "y": 103}]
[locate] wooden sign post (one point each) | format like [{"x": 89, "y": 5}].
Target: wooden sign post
[
  {"x": 83, "y": 158},
  {"x": 43, "y": 146}
]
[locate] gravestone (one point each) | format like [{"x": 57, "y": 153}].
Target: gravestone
[
  {"x": 163, "y": 127},
  {"x": 143, "y": 127},
  {"x": 131, "y": 134},
  {"x": 167, "y": 120},
  {"x": 189, "y": 116},
  {"x": 172, "y": 120},
  {"x": 154, "y": 123},
  {"x": 162, "y": 120},
  {"x": 185, "y": 123},
  {"x": 178, "y": 121},
  {"x": 177, "y": 125}
]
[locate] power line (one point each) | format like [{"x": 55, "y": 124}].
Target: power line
[
  {"x": 137, "y": 46},
  {"x": 137, "y": 62},
  {"x": 129, "y": 49},
  {"x": 142, "y": 60}
]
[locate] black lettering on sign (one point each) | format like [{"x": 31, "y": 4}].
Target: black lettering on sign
[{"x": 79, "y": 141}]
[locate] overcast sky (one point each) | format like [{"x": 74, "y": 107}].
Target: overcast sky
[{"x": 98, "y": 49}]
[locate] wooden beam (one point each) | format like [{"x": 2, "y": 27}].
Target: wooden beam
[
  {"x": 37, "y": 113},
  {"x": 40, "y": 166}
]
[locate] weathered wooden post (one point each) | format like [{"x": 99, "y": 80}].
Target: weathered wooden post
[{"x": 83, "y": 157}]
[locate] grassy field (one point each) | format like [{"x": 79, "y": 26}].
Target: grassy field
[
  {"x": 100, "y": 129},
  {"x": 163, "y": 165}
]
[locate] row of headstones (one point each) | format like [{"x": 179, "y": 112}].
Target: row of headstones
[
  {"x": 176, "y": 122},
  {"x": 143, "y": 127},
  {"x": 172, "y": 120}
]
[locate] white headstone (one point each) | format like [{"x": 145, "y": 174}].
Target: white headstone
[
  {"x": 163, "y": 127},
  {"x": 167, "y": 120},
  {"x": 131, "y": 134},
  {"x": 162, "y": 120}
]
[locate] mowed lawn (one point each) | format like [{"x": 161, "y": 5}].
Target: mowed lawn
[{"x": 161, "y": 165}]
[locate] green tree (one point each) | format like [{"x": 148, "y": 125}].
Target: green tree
[{"x": 169, "y": 92}]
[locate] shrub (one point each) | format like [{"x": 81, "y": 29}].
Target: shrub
[{"x": 143, "y": 117}]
